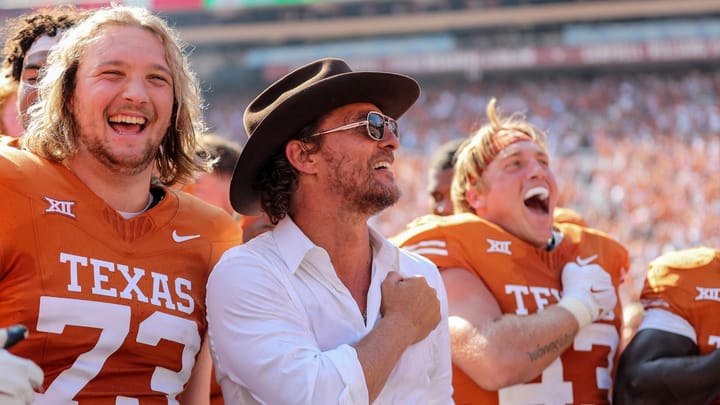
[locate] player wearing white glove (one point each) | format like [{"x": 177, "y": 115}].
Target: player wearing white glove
[
  {"x": 588, "y": 292},
  {"x": 504, "y": 260},
  {"x": 19, "y": 377}
]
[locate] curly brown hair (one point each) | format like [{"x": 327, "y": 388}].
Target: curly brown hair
[
  {"x": 278, "y": 179},
  {"x": 22, "y": 32}
]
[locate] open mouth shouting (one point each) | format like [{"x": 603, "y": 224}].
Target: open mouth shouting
[{"x": 536, "y": 199}]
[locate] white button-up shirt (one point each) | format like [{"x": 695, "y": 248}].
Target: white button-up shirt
[{"x": 282, "y": 326}]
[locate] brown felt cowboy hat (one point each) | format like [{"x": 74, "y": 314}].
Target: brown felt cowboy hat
[{"x": 297, "y": 100}]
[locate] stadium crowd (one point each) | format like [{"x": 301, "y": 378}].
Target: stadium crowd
[{"x": 634, "y": 152}]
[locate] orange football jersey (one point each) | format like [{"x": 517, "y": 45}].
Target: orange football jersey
[
  {"x": 115, "y": 307},
  {"x": 525, "y": 279},
  {"x": 687, "y": 284}
]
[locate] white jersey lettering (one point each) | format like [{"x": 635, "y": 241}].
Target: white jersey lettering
[
  {"x": 540, "y": 296},
  {"x": 59, "y": 207},
  {"x": 105, "y": 281},
  {"x": 499, "y": 246}
]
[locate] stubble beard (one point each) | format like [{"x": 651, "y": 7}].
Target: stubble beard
[
  {"x": 124, "y": 165},
  {"x": 363, "y": 193}
]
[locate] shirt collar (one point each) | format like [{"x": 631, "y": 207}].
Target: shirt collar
[
  {"x": 384, "y": 252},
  {"x": 296, "y": 244},
  {"x": 288, "y": 234}
]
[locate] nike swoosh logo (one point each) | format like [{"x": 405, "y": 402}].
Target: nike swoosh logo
[
  {"x": 594, "y": 290},
  {"x": 586, "y": 261},
  {"x": 177, "y": 238}
]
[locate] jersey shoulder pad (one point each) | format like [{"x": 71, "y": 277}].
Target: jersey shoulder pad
[
  {"x": 686, "y": 259},
  {"x": 434, "y": 226},
  {"x": 203, "y": 215},
  {"x": 565, "y": 215},
  {"x": 425, "y": 220},
  {"x": 419, "y": 229},
  {"x": 580, "y": 234},
  {"x": 18, "y": 165}
]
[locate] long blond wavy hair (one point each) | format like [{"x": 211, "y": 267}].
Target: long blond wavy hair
[
  {"x": 474, "y": 156},
  {"x": 53, "y": 131}
]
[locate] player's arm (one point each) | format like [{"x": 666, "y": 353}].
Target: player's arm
[
  {"x": 495, "y": 349},
  {"x": 664, "y": 367},
  {"x": 197, "y": 390}
]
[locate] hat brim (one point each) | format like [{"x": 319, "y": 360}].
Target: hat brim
[{"x": 393, "y": 93}]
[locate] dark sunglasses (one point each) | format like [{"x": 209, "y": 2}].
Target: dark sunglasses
[{"x": 375, "y": 125}]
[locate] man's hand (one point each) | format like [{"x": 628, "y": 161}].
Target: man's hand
[
  {"x": 588, "y": 292},
  {"x": 18, "y": 377},
  {"x": 412, "y": 303}
]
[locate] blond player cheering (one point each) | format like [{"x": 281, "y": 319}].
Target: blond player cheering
[{"x": 533, "y": 305}]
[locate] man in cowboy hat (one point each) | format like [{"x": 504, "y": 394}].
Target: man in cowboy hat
[{"x": 323, "y": 309}]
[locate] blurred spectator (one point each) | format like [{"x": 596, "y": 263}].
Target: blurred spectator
[
  {"x": 9, "y": 124},
  {"x": 440, "y": 176},
  {"x": 29, "y": 38},
  {"x": 215, "y": 187}
]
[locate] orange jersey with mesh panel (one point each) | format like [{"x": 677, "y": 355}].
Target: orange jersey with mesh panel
[
  {"x": 115, "y": 307},
  {"x": 525, "y": 279},
  {"x": 687, "y": 284}
]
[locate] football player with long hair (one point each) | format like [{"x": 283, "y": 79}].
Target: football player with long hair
[{"x": 106, "y": 268}]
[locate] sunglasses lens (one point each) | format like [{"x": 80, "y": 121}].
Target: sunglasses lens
[
  {"x": 376, "y": 126},
  {"x": 394, "y": 128}
]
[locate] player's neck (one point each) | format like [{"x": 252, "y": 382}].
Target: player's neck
[{"x": 122, "y": 192}]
